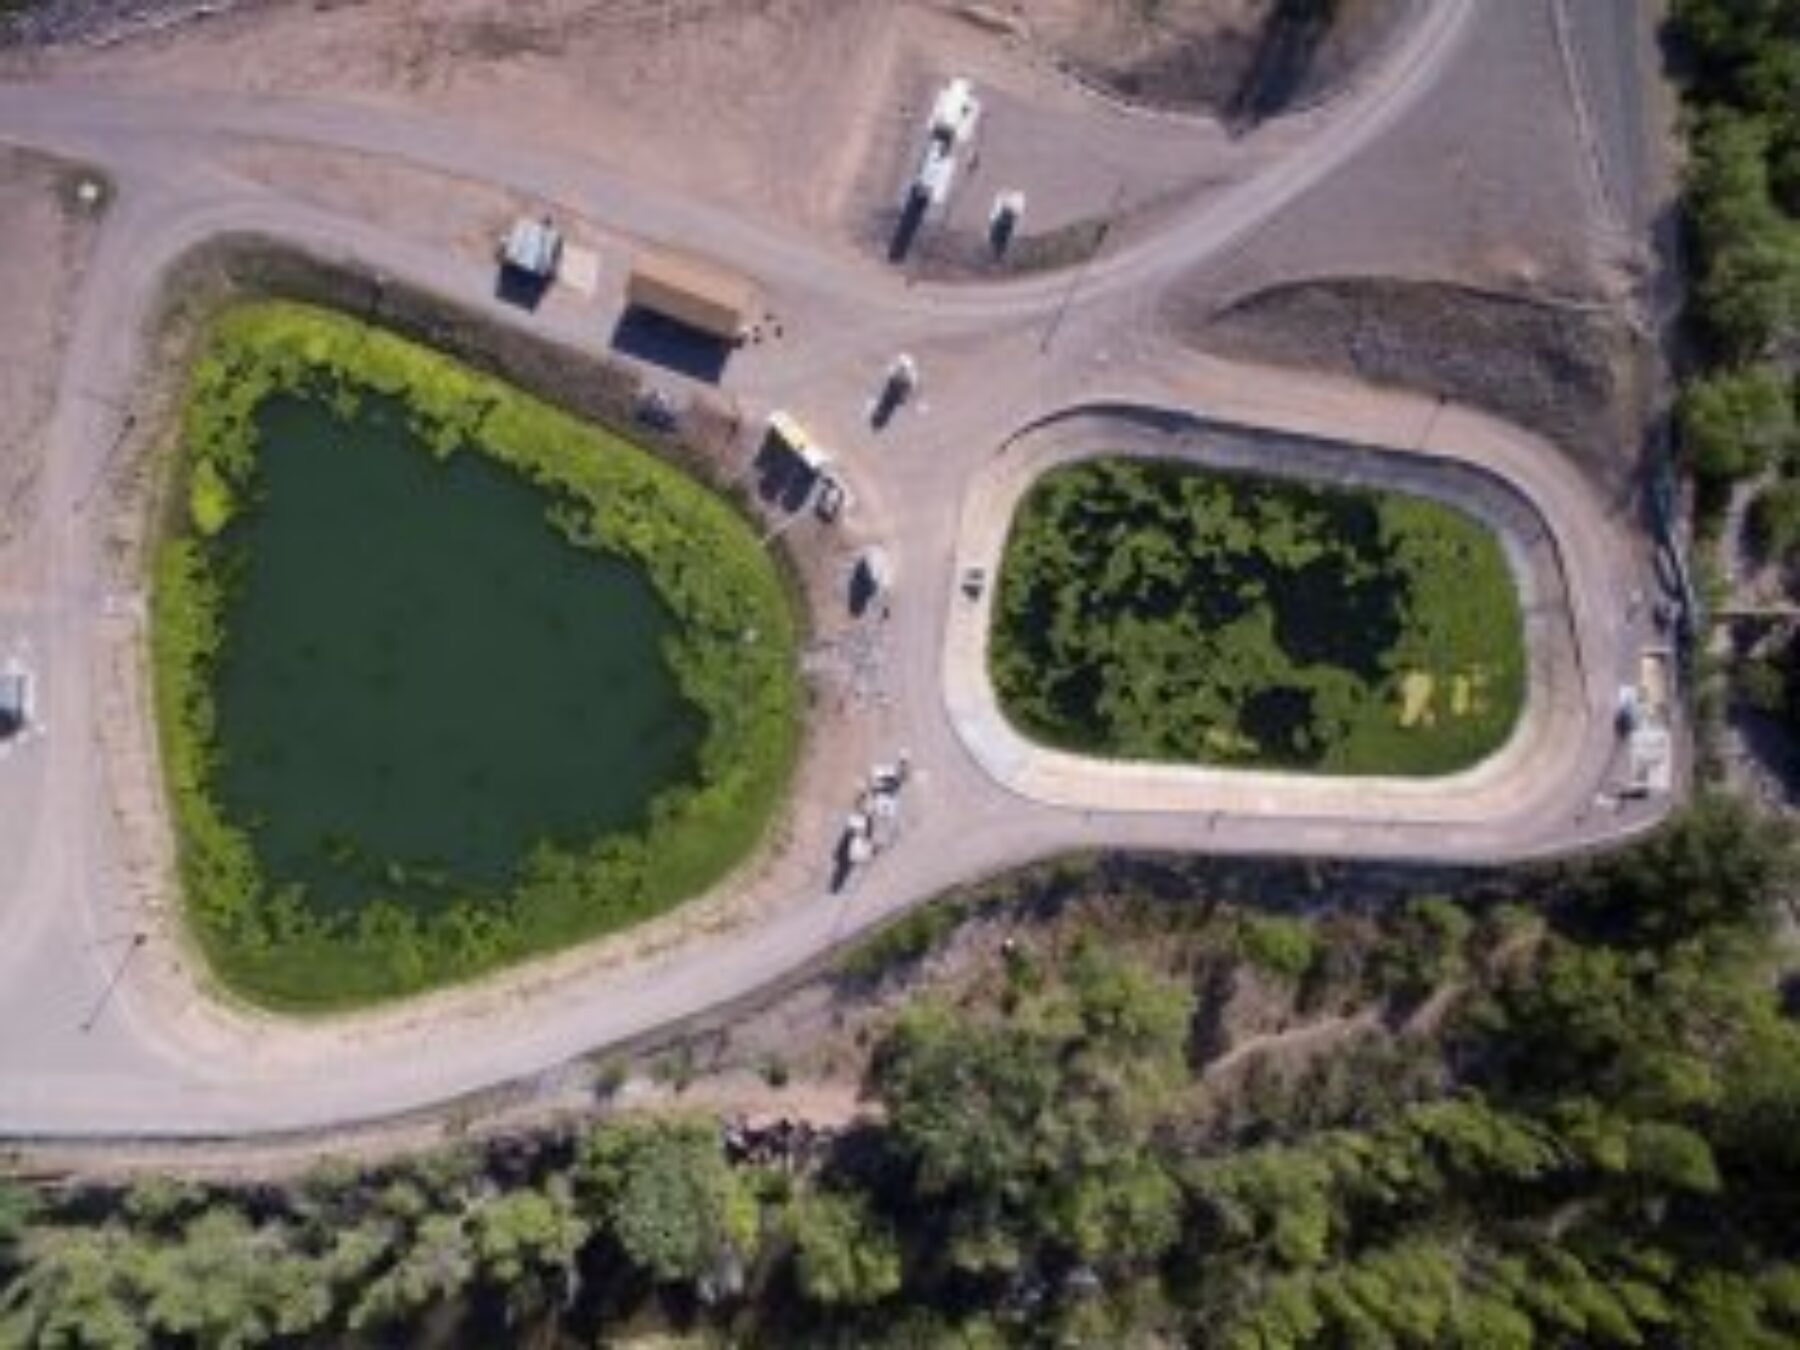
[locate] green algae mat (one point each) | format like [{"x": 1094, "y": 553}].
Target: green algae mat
[{"x": 1153, "y": 610}]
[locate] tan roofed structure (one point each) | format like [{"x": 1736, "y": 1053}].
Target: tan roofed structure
[{"x": 705, "y": 297}]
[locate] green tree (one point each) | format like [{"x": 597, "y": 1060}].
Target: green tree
[
  {"x": 844, "y": 1254},
  {"x": 1775, "y": 521},
  {"x": 1737, "y": 422},
  {"x": 225, "y": 1283},
  {"x": 1718, "y": 868},
  {"x": 1749, "y": 287},
  {"x": 18, "y": 1207},
  {"x": 1033, "y": 1129},
  {"x": 526, "y": 1242},
  {"x": 1283, "y": 946},
  {"x": 667, "y": 1195},
  {"x": 80, "y": 1290},
  {"x": 435, "y": 1266}
]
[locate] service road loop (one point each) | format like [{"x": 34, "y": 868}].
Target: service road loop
[
  {"x": 170, "y": 1059},
  {"x": 1546, "y": 746}
]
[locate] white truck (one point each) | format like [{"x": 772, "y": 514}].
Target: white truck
[{"x": 955, "y": 113}]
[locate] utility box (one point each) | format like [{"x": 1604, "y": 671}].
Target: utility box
[
  {"x": 532, "y": 248},
  {"x": 697, "y": 294}
]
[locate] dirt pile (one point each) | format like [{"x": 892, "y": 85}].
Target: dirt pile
[
  {"x": 1555, "y": 369},
  {"x": 1248, "y": 59}
]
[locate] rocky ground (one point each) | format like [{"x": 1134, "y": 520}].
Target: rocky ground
[{"x": 1553, "y": 368}]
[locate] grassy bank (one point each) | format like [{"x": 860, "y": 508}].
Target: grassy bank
[
  {"x": 733, "y": 658},
  {"x": 1154, "y": 611}
]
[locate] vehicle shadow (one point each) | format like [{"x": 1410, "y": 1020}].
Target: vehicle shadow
[
  {"x": 520, "y": 289},
  {"x": 906, "y": 228},
  {"x": 783, "y": 479}
]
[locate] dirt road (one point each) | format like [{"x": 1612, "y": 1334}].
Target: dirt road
[{"x": 105, "y": 1034}]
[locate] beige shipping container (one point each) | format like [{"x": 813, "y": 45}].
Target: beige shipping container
[{"x": 717, "y": 302}]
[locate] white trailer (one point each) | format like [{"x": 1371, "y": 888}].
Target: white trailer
[{"x": 937, "y": 170}]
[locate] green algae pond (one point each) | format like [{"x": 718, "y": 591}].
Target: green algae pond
[
  {"x": 444, "y": 677},
  {"x": 423, "y": 679},
  {"x": 1156, "y": 610}
]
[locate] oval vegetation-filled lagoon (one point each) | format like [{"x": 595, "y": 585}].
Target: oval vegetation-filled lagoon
[
  {"x": 1157, "y": 610},
  {"x": 445, "y": 678}
]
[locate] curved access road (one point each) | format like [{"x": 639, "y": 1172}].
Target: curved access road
[{"x": 107, "y": 1035}]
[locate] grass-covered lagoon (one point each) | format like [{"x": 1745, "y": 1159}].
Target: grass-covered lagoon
[{"x": 1155, "y": 610}]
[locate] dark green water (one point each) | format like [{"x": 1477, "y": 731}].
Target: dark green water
[{"x": 422, "y": 678}]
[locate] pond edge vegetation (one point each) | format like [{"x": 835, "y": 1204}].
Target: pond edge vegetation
[{"x": 604, "y": 493}]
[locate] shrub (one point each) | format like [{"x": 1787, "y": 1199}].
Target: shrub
[
  {"x": 1775, "y": 521},
  {"x": 1736, "y": 423},
  {"x": 1279, "y": 945}
]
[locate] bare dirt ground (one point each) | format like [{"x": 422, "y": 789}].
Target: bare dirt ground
[
  {"x": 805, "y": 112},
  {"x": 1489, "y": 183},
  {"x": 434, "y": 208},
  {"x": 751, "y": 101},
  {"x": 45, "y": 240},
  {"x": 1077, "y": 158},
  {"x": 1201, "y": 55},
  {"x": 1470, "y": 254}
]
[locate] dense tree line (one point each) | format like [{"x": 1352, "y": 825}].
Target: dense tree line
[
  {"x": 1605, "y": 1151},
  {"x": 1743, "y": 211}
]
